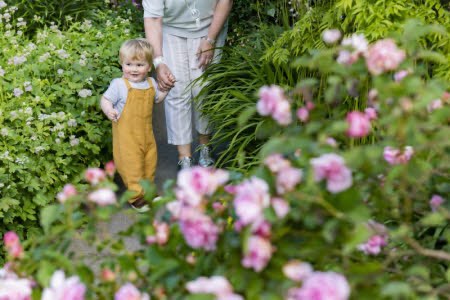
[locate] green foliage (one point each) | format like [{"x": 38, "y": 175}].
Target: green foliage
[{"x": 51, "y": 126}]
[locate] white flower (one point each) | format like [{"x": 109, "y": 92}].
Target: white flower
[
  {"x": 85, "y": 93},
  {"x": 2, "y": 72},
  {"x": 60, "y": 71},
  {"x": 2, "y": 4},
  {"x": 61, "y": 134},
  {"x": 4, "y": 132},
  {"x": 74, "y": 142},
  {"x": 72, "y": 123},
  {"x": 18, "y": 92}
]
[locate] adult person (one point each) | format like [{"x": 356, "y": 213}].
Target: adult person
[{"x": 184, "y": 35}]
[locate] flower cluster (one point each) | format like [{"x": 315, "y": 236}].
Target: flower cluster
[
  {"x": 273, "y": 102},
  {"x": 62, "y": 288},
  {"x": 395, "y": 157},
  {"x": 332, "y": 168},
  {"x": 377, "y": 240},
  {"x": 13, "y": 245},
  {"x": 129, "y": 292},
  {"x": 215, "y": 285},
  {"x": 12, "y": 287},
  {"x": 314, "y": 284}
]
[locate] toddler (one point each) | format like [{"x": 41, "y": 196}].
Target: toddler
[{"x": 128, "y": 103}]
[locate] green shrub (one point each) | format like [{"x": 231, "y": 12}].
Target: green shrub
[{"x": 50, "y": 122}]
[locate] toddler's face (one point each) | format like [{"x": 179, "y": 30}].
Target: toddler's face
[{"x": 135, "y": 70}]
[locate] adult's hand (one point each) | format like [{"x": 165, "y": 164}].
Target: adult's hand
[
  {"x": 205, "y": 54},
  {"x": 166, "y": 80}
]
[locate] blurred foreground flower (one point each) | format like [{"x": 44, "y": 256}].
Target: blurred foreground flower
[{"x": 62, "y": 288}]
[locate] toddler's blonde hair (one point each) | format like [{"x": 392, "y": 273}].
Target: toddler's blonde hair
[{"x": 138, "y": 49}]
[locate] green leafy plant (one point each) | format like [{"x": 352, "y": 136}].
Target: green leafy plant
[{"x": 51, "y": 126}]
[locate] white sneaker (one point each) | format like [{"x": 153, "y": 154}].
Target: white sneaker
[
  {"x": 185, "y": 163},
  {"x": 205, "y": 160}
]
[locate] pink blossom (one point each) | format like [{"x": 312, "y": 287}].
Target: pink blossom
[
  {"x": 198, "y": 229},
  {"x": 258, "y": 253},
  {"x": 395, "y": 157},
  {"x": 331, "y": 36},
  {"x": 269, "y": 97},
  {"x": 346, "y": 58},
  {"x": 322, "y": 286},
  {"x": 435, "y": 202},
  {"x": 14, "y": 288},
  {"x": 216, "y": 285},
  {"x": 384, "y": 56},
  {"x": 373, "y": 245},
  {"x": 356, "y": 42},
  {"x": 310, "y": 105},
  {"x": 252, "y": 196},
  {"x": 281, "y": 207},
  {"x": 398, "y": 76},
  {"x": 62, "y": 288},
  {"x": 287, "y": 179},
  {"x": 110, "y": 168},
  {"x": 94, "y": 175},
  {"x": 103, "y": 197},
  {"x": 107, "y": 275},
  {"x": 68, "y": 191},
  {"x": 162, "y": 233},
  {"x": 262, "y": 228},
  {"x": 174, "y": 207},
  {"x": 129, "y": 292},
  {"x": 331, "y": 142},
  {"x": 218, "y": 207},
  {"x": 282, "y": 113},
  {"x": 194, "y": 183},
  {"x": 297, "y": 271},
  {"x": 332, "y": 168},
  {"x": 358, "y": 124},
  {"x": 275, "y": 162},
  {"x": 371, "y": 113},
  {"x": 435, "y": 104},
  {"x": 12, "y": 244},
  {"x": 303, "y": 114},
  {"x": 272, "y": 101}
]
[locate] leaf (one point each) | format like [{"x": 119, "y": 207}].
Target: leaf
[
  {"x": 397, "y": 290},
  {"x": 246, "y": 115},
  {"x": 49, "y": 214}
]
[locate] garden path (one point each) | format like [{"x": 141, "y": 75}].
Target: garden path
[{"x": 166, "y": 169}]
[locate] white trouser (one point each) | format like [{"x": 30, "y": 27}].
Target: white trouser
[{"x": 180, "y": 56}]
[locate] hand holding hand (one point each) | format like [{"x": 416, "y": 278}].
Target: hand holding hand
[
  {"x": 205, "y": 54},
  {"x": 113, "y": 115},
  {"x": 166, "y": 80}
]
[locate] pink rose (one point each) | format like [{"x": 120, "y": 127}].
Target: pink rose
[
  {"x": 436, "y": 202},
  {"x": 198, "y": 229},
  {"x": 252, "y": 196},
  {"x": 332, "y": 168},
  {"x": 435, "y": 104},
  {"x": 322, "y": 286},
  {"x": 356, "y": 42},
  {"x": 110, "y": 168},
  {"x": 287, "y": 179},
  {"x": 384, "y": 56},
  {"x": 12, "y": 287},
  {"x": 216, "y": 285},
  {"x": 162, "y": 233},
  {"x": 94, "y": 175},
  {"x": 103, "y": 197},
  {"x": 297, "y": 271},
  {"x": 358, "y": 124},
  {"x": 331, "y": 36},
  {"x": 258, "y": 253},
  {"x": 130, "y": 292},
  {"x": 275, "y": 162},
  {"x": 371, "y": 113},
  {"x": 282, "y": 113},
  {"x": 373, "y": 245},
  {"x": 395, "y": 157},
  {"x": 281, "y": 207},
  {"x": 13, "y": 245},
  {"x": 269, "y": 96},
  {"x": 62, "y": 288},
  {"x": 303, "y": 114},
  {"x": 398, "y": 76},
  {"x": 68, "y": 191}
]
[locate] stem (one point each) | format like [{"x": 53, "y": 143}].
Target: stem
[{"x": 427, "y": 252}]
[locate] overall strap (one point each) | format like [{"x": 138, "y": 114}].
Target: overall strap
[
  {"x": 127, "y": 83},
  {"x": 150, "y": 84}
]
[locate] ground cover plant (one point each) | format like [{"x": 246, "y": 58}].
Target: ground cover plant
[
  {"x": 50, "y": 124},
  {"x": 323, "y": 216}
]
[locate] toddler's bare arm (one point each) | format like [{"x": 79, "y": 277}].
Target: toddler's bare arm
[{"x": 108, "y": 109}]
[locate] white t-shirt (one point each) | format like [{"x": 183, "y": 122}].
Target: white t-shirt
[
  {"x": 179, "y": 16},
  {"x": 117, "y": 91}
]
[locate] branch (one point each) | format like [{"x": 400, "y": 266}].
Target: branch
[{"x": 427, "y": 252}]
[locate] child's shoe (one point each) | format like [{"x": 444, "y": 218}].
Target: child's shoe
[
  {"x": 140, "y": 205},
  {"x": 205, "y": 160},
  {"x": 185, "y": 163}
]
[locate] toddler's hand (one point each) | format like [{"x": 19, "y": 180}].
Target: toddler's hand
[{"x": 113, "y": 115}]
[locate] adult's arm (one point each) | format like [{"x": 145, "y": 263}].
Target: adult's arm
[
  {"x": 205, "y": 51},
  {"x": 153, "y": 32}
]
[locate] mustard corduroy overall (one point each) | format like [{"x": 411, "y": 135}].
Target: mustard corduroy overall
[{"x": 134, "y": 146}]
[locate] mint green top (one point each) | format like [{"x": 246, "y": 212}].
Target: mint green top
[{"x": 179, "y": 16}]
